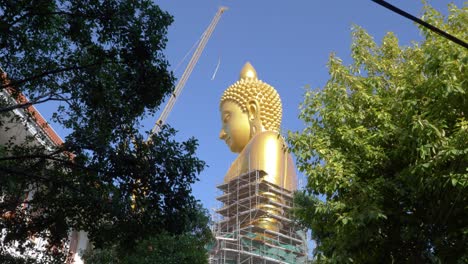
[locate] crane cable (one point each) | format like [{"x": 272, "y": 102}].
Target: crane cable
[
  {"x": 180, "y": 85},
  {"x": 188, "y": 53}
]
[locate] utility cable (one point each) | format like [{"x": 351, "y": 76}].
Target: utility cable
[{"x": 422, "y": 23}]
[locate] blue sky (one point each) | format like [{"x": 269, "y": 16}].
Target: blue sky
[{"x": 288, "y": 42}]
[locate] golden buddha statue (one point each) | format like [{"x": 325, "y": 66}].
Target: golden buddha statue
[{"x": 251, "y": 117}]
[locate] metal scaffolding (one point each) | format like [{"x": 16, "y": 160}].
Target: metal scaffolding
[{"x": 246, "y": 201}]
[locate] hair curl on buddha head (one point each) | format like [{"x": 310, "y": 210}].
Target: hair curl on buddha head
[{"x": 249, "y": 87}]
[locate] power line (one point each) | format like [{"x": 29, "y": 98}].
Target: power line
[{"x": 422, "y": 23}]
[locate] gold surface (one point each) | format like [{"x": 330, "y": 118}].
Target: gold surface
[
  {"x": 248, "y": 72},
  {"x": 251, "y": 114}
]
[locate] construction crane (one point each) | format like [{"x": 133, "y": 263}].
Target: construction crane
[
  {"x": 180, "y": 85},
  {"x": 193, "y": 61}
]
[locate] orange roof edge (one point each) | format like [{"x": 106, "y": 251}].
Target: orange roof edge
[
  {"x": 41, "y": 122},
  {"x": 38, "y": 118}
]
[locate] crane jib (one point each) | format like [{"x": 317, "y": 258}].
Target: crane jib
[{"x": 188, "y": 70}]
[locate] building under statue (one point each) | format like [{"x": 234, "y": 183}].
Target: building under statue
[{"x": 255, "y": 223}]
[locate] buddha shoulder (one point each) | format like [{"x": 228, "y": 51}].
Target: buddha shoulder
[{"x": 267, "y": 141}]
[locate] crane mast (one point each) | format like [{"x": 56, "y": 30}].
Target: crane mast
[{"x": 193, "y": 61}]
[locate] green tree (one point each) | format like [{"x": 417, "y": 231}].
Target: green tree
[
  {"x": 102, "y": 65},
  {"x": 164, "y": 248},
  {"x": 161, "y": 249},
  {"x": 385, "y": 151}
]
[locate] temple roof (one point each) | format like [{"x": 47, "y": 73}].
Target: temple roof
[{"x": 38, "y": 120}]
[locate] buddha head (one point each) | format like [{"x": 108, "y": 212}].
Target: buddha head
[{"x": 248, "y": 107}]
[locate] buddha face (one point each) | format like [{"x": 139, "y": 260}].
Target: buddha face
[{"x": 236, "y": 126}]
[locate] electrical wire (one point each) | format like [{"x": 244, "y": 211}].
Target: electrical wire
[{"x": 422, "y": 23}]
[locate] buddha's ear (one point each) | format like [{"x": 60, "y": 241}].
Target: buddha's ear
[{"x": 253, "y": 110}]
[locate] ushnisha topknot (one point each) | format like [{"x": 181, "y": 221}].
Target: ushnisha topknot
[{"x": 248, "y": 87}]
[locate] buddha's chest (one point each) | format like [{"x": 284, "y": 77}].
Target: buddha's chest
[{"x": 238, "y": 167}]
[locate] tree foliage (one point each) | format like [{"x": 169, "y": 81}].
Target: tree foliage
[
  {"x": 385, "y": 151},
  {"x": 101, "y": 62},
  {"x": 163, "y": 248}
]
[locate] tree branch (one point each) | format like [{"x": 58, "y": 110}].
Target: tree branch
[
  {"x": 47, "y": 73},
  {"x": 36, "y": 156},
  {"x": 32, "y": 13},
  {"x": 38, "y": 100},
  {"x": 23, "y": 173}
]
